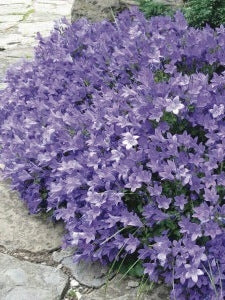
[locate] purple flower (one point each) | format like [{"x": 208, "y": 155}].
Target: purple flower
[
  {"x": 217, "y": 110},
  {"x": 212, "y": 229},
  {"x": 180, "y": 201},
  {"x": 129, "y": 140},
  {"x": 191, "y": 229},
  {"x": 184, "y": 174},
  {"x": 174, "y": 105},
  {"x": 150, "y": 270},
  {"x": 211, "y": 195},
  {"x": 192, "y": 272},
  {"x": 199, "y": 256},
  {"x": 203, "y": 212},
  {"x": 91, "y": 132},
  {"x": 136, "y": 180},
  {"x": 162, "y": 246},
  {"x": 156, "y": 190},
  {"x": 116, "y": 155},
  {"x": 131, "y": 244},
  {"x": 163, "y": 202}
]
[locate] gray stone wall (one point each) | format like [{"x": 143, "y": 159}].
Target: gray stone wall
[{"x": 96, "y": 10}]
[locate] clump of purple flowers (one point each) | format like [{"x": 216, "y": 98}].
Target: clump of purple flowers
[{"x": 118, "y": 130}]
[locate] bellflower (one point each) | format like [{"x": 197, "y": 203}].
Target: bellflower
[
  {"x": 174, "y": 105},
  {"x": 217, "y": 110},
  {"x": 180, "y": 201},
  {"x": 192, "y": 272},
  {"x": 117, "y": 129},
  {"x": 129, "y": 140}
]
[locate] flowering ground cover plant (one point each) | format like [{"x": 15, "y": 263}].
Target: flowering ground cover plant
[{"x": 118, "y": 130}]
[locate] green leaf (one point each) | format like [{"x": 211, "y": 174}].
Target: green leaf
[{"x": 137, "y": 270}]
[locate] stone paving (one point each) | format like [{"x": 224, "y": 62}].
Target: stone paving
[
  {"x": 24, "y": 280},
  {"x": 20, "y": 20},
  {"x": 21, "y": 231}
]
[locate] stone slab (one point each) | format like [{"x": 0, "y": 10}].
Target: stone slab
[
  {"x": 55, "y": 9},
  {"x": 56, "y": 2},
  {"x": 42, "y": 17},
  {"x": 19, "y": 230},
  {"x": 15, "y": 40},
  {"x": 30, "y": 29},
  {"x": 9, "y": 39},
  {"x": 7, "y": 25},
  {"x": 59, "y": 255},
  {"x": 24, "y": 280},
  {"x": 87, "y": 273},
  {"x": 13, "y": 9},
  {"x": 93, "y": 10},
  {"x": 11, "y": 18},
  {"x": 19, "y": 22},
  {"x": 118, "y": 289},
  {"x": 97, "y": 10},
  {"x": 9, "y": 2},
  {"x": 18, "y": 53}
]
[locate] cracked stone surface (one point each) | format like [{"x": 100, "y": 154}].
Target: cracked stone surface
[
  {"x": 58, "y": 256},
  {"x": 19, "y": 230},
  {"x": 24, "y": 280},
  {"x": 92, "y": 275},
  {"x": 88, "y": 274},
  {"x": 118, "y": 289}
]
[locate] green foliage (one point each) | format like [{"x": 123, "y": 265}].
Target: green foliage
[
  {"x": 137, "y": 270},
  {"x": 197, "y": 12},
  {"x": 129, "y": 266},
  {"x": 71, "y": 295},
  {"x": 161, "y": 76},
  {"x": 151, "y": 8},
  {"x": 202, "y": 12}
]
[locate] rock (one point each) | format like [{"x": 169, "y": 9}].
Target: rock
[
  {"x": 24, "y": 2},
  {"x": 19, "y": 53},
  {"x": 21, "y": 231},
  {"x": 60, "y": 10},
  {"x": 13, "y": 9},
  {"x": 58, "y": 256},
  {"x": 15, "y": 40},
  {"x": 29, "y": 29},
  {"x": 132, "y": 284},
  {"x": 24, "y": 280},
  {"x": 74, "y": 283},
  {"x": 116, "y": 290},
  {"x": 87, "y": 273},
  {"x": 173, "y": 3},
  {"x": 97, "y": 10},
  {"x": 11, "y": 18},
  {"x": 78, "y": 294}
]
